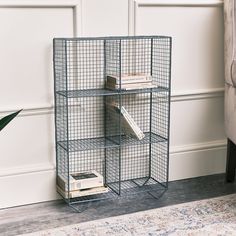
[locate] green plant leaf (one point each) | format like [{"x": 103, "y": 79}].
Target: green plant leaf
[{"x": 5, "y": 120}]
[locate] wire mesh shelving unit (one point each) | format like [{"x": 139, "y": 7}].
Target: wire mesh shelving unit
[{"x": 89, "y": 136}]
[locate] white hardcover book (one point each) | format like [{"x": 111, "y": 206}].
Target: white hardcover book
[
  {"x": 81, "y": 180},
  {"x": 129, "y": 125},
  {"x": 63, "y": 183},
  {"x": 130, "y": 86},
  {"x": 140, "y": 86},
  {"x": 82, "y": 193},
  {"x": 138, "y": 133},
  {"x": 129, "y": 79},
  {"x": 132, "y": 124}
]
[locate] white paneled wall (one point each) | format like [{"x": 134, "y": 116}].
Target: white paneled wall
[
  {"x": 27, "y": 158},
  {"x": 27, "y": 28},
  {"x": 198, "y": 145}
]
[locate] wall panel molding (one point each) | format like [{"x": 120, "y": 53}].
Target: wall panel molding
[
  {"x": 182, "y": 149},
  {"x": 197, "y": 94},
  {"x": 186, "y": 161},
  {"x": 76, "y": 5},
  {"x": 134, "y": 6},
  {"x": 197, "y": 163},
  {"x": 37, "y": 187},
  {"x": 29, "y": 111},
  {"x": 39, "y": 3},
  {"x": 131, "y": 17},
  {"x": 180, "y": 3},
  {"x": 26, "y": 169},
  {"x": 218, "y": 144},
  {"x": 175, "y": 97}
]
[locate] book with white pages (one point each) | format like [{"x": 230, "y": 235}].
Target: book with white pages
[
  {"x": 82, "y": 193},
  {"x": 129, "y": 125},
  {"x": 130, "y": 86},
  {"x": 129, "y": 81},
  {"x": 129, "y": 78},
  {"x": 80, "y": 180}
]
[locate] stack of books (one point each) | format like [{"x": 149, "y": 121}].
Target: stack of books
[
  {"x": 129, "y": 125},
  {"x": 129, "y": 81},
  {"x": 81, "y": 184}
]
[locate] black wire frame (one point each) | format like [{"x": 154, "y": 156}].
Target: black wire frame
[{"x": 128, "y": 165}]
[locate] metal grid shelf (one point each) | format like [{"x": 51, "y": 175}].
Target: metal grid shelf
[
  {"x": 134, "y": 186},
  {"x": 104, "y": 92},
  {"x": 87, "y": 144},
  {"x": 131, "y": 187},
  {"x": 128, "y": 140},
  {"x": 96, "y": 197},
  {"x": 111, "y": 142},
  {"x": 93, "y": 136}
]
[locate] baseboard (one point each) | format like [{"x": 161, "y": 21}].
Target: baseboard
[
  {"x": 197, "y": 162},
  {"x": 185, "y": 162},
  {"x": 27, "y": 188}
]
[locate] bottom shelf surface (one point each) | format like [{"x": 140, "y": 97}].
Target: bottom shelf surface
[{"x": 127, "y": 188}]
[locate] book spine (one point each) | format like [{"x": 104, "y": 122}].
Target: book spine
[
  {"x": 128, "y": 81},
  {"x": 130, "y": 86},
  {"x": 78, "y": 193}
]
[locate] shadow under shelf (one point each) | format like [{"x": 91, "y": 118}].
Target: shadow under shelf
[{"x": 111, "y": 142}]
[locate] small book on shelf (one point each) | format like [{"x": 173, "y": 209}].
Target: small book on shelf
[
  {"x": 129, "y": 81},
  {"x": 80, "y": 180},
  {"x": 83, "y": 192}
]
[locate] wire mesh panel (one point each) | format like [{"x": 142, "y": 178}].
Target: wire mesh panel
[
  {"x": 112, "y": 98},
  {"x": 161, "y": 61},
  {"x": 113, "y": 169}
]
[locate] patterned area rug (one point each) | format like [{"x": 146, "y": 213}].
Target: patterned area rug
[{"x": 216, "y": 216}]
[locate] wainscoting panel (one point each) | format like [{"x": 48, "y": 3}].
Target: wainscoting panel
[
  {"x": 28, "y": 188},
  {"x": 198, "y": 143},
  {"x": 27, "y": 156},
  {"x": 197, "y": 121},
  {"x": 105, "y": 17},
  {"x": 27, "y": 140},
  {"x": 197, "y": 32},
  {"x": 26, "y": 52},
  {"x": 204, "y": 159}
]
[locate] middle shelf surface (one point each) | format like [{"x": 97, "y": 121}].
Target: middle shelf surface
[
  {"x": 109, "y": 142},
  {"x": 104, "y": 92}
]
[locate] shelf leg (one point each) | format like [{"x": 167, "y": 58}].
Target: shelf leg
[{"x": 231, "y": 161}]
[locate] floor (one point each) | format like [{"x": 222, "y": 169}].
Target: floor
[{"x": 31, "y": 218}]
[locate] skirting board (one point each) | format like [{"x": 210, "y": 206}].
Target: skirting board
[
  {"x": 192, "y": 164},
  {"x": 28, "y": 188}
]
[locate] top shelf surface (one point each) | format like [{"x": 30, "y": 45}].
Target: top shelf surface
[
  {"x": 106, "y": 92},
  {"x": 115, "y": 37}
]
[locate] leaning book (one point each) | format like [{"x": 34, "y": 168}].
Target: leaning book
[{"x": 129, "y": 125}]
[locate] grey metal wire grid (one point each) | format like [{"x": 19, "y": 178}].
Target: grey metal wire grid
[{"x": 90, "y": 135}]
